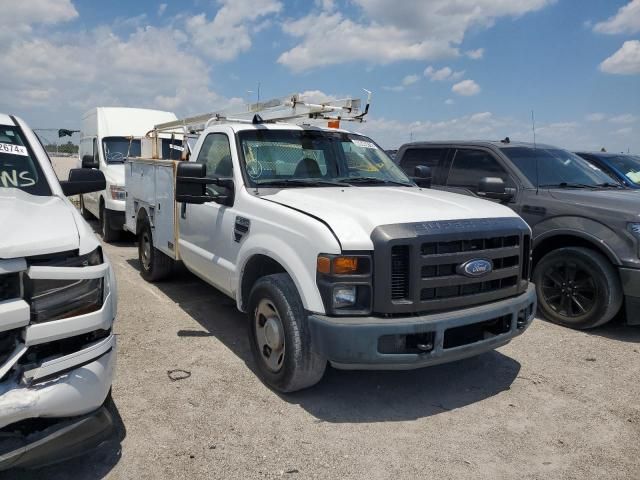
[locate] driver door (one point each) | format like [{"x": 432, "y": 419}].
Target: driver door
[{"x": 206, "y": 231}]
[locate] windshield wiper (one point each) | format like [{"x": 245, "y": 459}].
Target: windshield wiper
[
  {"x": 373, "y": 181},
  {"x": 609, "y": 185},
  {"x": 300, "y": 182},
  {"x": 569, "y": 185}
]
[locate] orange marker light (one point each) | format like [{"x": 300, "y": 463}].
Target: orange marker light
[
  {"x": 343, "y": 265},
  {"x": 334, "y": 123},
  {"x": 324, "y": 265}
]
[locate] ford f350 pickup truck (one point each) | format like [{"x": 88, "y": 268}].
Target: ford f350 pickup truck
[
  {"x": 333, "y": 253},
  {"x": 57, "y": 307}
]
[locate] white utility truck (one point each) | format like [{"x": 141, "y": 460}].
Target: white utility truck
[
  {"x": 335, "y": 255},
  {"x": 108, "y": 137},
  {"x": 57, "y": 307}
]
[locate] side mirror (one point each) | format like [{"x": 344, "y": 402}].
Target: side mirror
[
  {"x": 83, "y": 181},
  {"x": 494, "y": 187},
  {"x": 192, "y": 181},
  {"x": 89, "y": 162},
  {"x": 422, "y": 176}
]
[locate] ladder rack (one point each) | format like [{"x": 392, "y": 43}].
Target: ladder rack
[{"x": 275, "y": 110}]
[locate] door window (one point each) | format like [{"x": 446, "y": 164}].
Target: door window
[
  {"x": 470, "y": 166},
  {"x": 430, "y": 157},
  {"x": 216, "y": 155}
]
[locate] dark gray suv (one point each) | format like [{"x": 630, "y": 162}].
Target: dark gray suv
[{"x": 586, "y": 226}]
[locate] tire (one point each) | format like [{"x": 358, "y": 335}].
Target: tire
[
  {"x": 294, "y": 366},
  {"x": 86, "y": 214},
  {"x": 577, "y": 288},
  {"x": 154, "y": 264},
  {"x": 108, "y": 234}
]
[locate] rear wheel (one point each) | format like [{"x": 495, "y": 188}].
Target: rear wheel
[
  {"x": 109, "y": 234},
  {"x": 279, "y": 336},
  {"x": 577, "y": 287},
  {"x": 83, "y": 210},
  {"x": 154, "y": 264}
]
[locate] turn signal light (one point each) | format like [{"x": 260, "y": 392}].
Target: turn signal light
[{"x": 337, "y": 265}]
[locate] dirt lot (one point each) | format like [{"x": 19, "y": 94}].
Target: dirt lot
[{"x": 554, "y": 403}]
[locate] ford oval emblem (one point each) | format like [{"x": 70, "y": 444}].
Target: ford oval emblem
[{"x": 475, "y": 268}]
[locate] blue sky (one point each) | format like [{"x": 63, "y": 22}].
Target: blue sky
[{"x": 438, "y": 68}]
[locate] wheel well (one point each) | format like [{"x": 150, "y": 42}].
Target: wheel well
[
  {"x": 257, "y": 267},
  {"x": 560, "y": 241},
  {"x": 141, "y": 217}
]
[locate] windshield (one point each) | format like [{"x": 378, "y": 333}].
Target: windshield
[
  {"x": 557, "y": 168},
  {"x": 118, "y": 149},
  {"x": 299, "y": 157},
  {"x": 629, "y": 165},
  {"x": 18, "y": 166}
]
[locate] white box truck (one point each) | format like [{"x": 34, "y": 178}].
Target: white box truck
[
  {"x": 108, "y": 137},
  {"x": 331, "y": 250},
  {"x": 57, "y": 307}
]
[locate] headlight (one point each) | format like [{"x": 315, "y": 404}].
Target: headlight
[
  {"x": 634, "y": 228},
  {"x": 345, "y": 283},
  {"x": 344, "y": 296},
  {"x": 58, "y": 299},
  {"x": 117, "y": 193}
]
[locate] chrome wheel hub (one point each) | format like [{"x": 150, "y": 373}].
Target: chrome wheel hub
[{"x": 269, "y": 332}]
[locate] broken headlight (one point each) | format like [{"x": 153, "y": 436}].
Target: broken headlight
[{"x": 58, "y": 299}]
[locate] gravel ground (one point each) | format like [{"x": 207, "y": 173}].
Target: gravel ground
[{"x": 555, "y": 403}]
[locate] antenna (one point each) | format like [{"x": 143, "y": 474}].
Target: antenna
[{"x": 533, "y": 127}]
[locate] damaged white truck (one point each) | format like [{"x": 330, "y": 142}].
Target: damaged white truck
[
  {"x": 334, "y": 253},
  {"x": 57, "y": 307}
]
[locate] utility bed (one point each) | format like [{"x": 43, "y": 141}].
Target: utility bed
[{"x": 151, "y": 184}]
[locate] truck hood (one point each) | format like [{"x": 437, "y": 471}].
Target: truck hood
[
  {"x": 114, "y": 174},
  {"x": 35, "y": 225},
  {"x": 615, "y": 204},
  {"x": 353, "y": 212}
]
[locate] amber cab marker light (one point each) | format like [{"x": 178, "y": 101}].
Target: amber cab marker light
[{"x": 334, "y": 123}]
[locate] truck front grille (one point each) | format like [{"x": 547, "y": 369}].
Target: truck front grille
[
  {"x": 9, "y": 286},
  {"x": 425, "y": 273}
]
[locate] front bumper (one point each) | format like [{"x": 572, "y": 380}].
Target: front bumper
[
  {"x": 70, "y": 406},
  {"x": 630, "y": 278},
  {"x": 353, "y": 342}
]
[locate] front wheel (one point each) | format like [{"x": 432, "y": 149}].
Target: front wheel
[
  {"x": 279, "y": 336},
  {"x": 86, "y": 214},
  {"x": 109, "y": 234},
  {"x": 577, "y": 288}
]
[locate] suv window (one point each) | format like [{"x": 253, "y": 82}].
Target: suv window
[
  {"x": 19, "y": 168},
  {"x": 430, "y": 157},
  {"x": 470, "y": 166},
  {"x": 216, "y": 155}
]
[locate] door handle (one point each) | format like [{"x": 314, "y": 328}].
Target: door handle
[{"x": 183, "y": 210}]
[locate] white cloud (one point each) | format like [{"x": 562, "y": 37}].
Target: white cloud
[
  {"x": 624, "y": 131},
  {"x": 449, "y": 101},
  {"x": 19, "y": 17},
  {"x": 596, "y": 117},
  {"x": 623, "y": 119},
  {"x": 625, "y": 61},
  {"x": 626, "y": 20},
  {"x": 387, "y": 32},
  {"x": 466, "y": 88},
  {"x": 442, "y": 74},
  {"x": 161, "y": 9},
  {"x": 406, "y": 81},
  {"x": 475, "y": 54},
  {"x": 229, "y": 34}
]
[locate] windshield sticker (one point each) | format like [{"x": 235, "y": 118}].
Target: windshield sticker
[
  {"x": 16, "y": 179},
  {"x": 254, "y": 169},
  {"x": 363, "y": 143},
  {"x": 13, "y": 149},
  {"x": 634, "y": 177}
]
